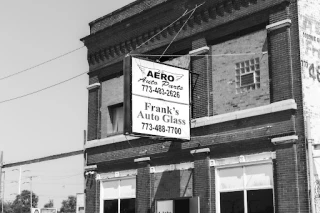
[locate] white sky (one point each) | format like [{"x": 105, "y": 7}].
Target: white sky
[{"x": 53, "y": 121}]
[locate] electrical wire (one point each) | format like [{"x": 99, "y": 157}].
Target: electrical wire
[
  {"x": 40, "y": 90},
  {"x": 178, "y": 32},
  {"x": 30, "y": 68}
]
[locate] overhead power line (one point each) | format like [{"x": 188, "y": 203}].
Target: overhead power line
[
  {"x": 40, "y": 90},
  {"x": 38, "y": 160},
  {"x": 30, "y": 68}
]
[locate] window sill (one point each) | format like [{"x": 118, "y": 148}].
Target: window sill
[
  {"x": 270, "y": 108},
  {"x": 108, "y": 140}
]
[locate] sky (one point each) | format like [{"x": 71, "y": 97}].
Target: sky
[{"x": 52, "y": 121}]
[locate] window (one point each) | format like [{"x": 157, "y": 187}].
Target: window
[
  {"x": 245, "y": 189},
  {"x": 248, "y": 75},
  {"x": 116, "y": 117},
  {"x": 118, "y": 196}
]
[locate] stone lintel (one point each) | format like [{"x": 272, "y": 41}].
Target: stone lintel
[
  {"x": 278, "y": 25},
  {"x": 199, "y": 51},
  {"x": 284, "y": 140},
  {"x": 140, "y": 160},
  {"x": 203, "y": 150},
  {"x": 93, "y": 86}
]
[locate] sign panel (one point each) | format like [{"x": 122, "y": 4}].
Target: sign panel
[
  {"x": 165, "y": 206},
  {"x": 48, "y": 210},
  {"x": 157, "y": 100},
  {"x": 80, "y": 203},
  {"x": 35, "y": 210}
]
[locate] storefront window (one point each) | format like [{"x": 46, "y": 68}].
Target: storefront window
[
  {"x": 245, "y": 189},
  {"x": 118, "y": 196}
]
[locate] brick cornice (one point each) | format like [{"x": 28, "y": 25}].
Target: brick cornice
[{"x": 209, "y": 17}]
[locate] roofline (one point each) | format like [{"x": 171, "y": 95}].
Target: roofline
[{"x": 115, "y": 12}]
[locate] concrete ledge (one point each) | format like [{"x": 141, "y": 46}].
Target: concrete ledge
[
  {"x": 289, "y": 104},
  {"x": 108, "y": 140},
  {"x": 284, "y": 140},
  {"x": 93, "y": 86},
  {"x": 139, "y": 160},
  {"x": 201, "y": 50},
  {"x": 279, "y": 24},
  {"x": 172, "y": 167},
  {"x": 196, "y": 151}
]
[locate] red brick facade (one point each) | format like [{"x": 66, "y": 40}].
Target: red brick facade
[{"x": 225, "y": 123}]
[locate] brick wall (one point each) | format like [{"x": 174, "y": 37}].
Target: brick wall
[
  {"x": 92, "y": 198},
  {"x": 286, "y": 182},
  {"x": 251, "y": 141},
  {"x": 199, "y": 66},
  {"x": 202, "y": 181},
  {"x": 143, "y": 188},
  {"x": 93, "y": 99},
  {"x": 225, "y": 97}
]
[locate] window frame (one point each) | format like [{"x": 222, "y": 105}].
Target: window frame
[
  {"x": 244, "y": 189},
  {"x": 118, "y": 197}
]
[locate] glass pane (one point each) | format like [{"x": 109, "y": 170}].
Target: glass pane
[
  {"x": 259, "y": 175},
  {"x": 232, "y": 202},
  {"x": 127, "y": 205},
  {"x": 110, "y": 189},
  {"x": 231, "y": 178},
  {"x": 117, "y": 119},
  {"x": 110, "y": 206},
  {"x": 128, "y": 188},
  {"x": 260, "y": 201}
]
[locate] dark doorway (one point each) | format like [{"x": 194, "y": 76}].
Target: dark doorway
[{"x": 181, "y": 206}]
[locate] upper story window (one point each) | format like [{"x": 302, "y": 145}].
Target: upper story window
[
  {"x": 248, "y": 75},
  {"x": 111, "y": 108}
]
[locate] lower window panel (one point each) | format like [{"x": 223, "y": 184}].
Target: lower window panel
[
  {"x": 110, "y": 206},
  {"x": 127, "y": 205},
  {"x": 232, "y": 202},
  {"x": 258, "y": 201}
]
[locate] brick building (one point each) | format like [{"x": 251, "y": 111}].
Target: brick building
[{"x": 248, "y": 150}]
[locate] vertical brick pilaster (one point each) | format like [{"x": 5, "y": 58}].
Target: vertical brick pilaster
[
  {"x": 202, "y": 178},
  {"x": 143, "y": 190},
  {"x": 93, "y": 108},
  {"x": 91, "y": 194},
  {"x": 213, "y": 190},
  {"x": 200, "y": 66},
  {"x": 286, "y": 177},
  {"x": 280, "y": 55}
]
